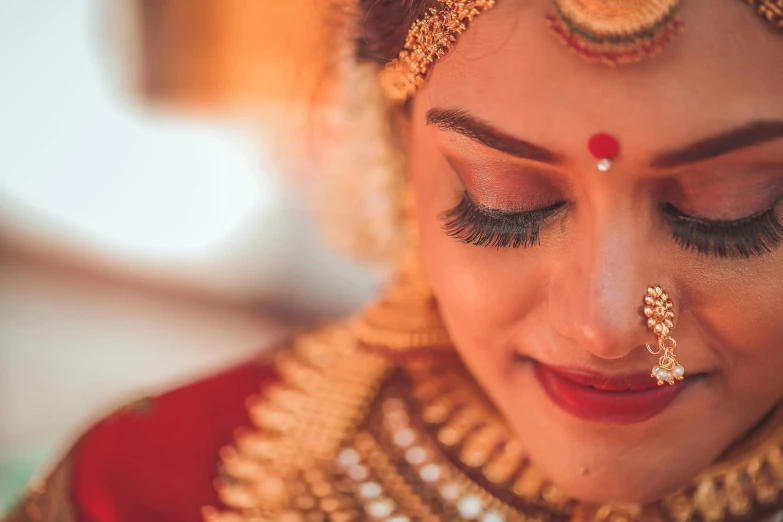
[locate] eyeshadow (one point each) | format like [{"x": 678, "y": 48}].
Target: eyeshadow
[{"x": 508, "y": 187}]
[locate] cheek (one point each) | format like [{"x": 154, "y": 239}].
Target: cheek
[
  {"x": 738, "y": 311},
  {"x": 480, "y": 291}
]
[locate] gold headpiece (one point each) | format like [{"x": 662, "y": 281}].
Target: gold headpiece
[
  {"x": 615, "y": 32},
  {"x": 429, "y": 38},
  {"x": 608, "y": 31}
]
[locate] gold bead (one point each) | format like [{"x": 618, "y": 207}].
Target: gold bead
[
  {"x": 775, "y": 460},
  {"x": 322, "y": 489},
  {"x": 739, "y": 492},
  {"x": 435, "y": 413},
  {"x": 553, "y": 495},
  {"x": 528, "y": 485},
  {"x": 272, "y": 489},
  {"x": 237, "y": 496},
  {"x": 330, "y": 504},
  {"x": 764, "y": 483},
  {"x": 448, "y": 436},
  {"x": 258, "y": 446},
  {"x": 710, "y": 501},
  {"x": 305, "y": 502},
  {"x": 680, "y": 507},
  {"x": 504, "y": 464},
  {"x": 479, "y": 446}
]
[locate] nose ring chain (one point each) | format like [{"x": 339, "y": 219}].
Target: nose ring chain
[{"x": 659, "y": 311}]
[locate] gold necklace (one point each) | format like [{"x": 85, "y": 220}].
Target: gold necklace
[{"x": 348, "y": 435}]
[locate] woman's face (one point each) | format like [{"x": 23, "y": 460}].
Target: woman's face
[{"x": 553, "y": 327}]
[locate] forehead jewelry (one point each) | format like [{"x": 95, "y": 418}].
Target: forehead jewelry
[
  {"x": 659, "y": 311},
  {"x": 604, "y": 148},
  {"x": 429, "y": 39},
  {"x": 615, "y": 32}
]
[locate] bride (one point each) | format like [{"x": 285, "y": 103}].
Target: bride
[{"x": 584, "y": 199}]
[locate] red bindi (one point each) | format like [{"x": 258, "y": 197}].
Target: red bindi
[{"x": 604, "y": 147}]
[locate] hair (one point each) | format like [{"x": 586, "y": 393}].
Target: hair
[{"x": 383, "y": 25}]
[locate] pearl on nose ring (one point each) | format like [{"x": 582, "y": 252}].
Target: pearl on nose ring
[{"x": 659, "y": 310}]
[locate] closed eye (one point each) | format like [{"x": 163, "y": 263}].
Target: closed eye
[{"x": 473, "y": 224}]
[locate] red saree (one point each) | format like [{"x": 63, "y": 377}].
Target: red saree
[{"x": 153, "y": 461}]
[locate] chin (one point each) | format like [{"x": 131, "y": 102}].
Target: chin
[
  {"x": 610, "y": 469},
  {"x": 615, "y": 482},
  {"x": 605, "y": 462}
]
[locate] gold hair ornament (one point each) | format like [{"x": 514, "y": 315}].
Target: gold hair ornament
[
  {"x": 430, "y": 38},
  {"x": 659, "y": 310},
  {"x": 613, "y": 32}
]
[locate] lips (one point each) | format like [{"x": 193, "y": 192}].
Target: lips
[{"x": 600, "y": 398}]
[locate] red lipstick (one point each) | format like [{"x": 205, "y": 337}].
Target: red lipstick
[{"x": 600, "y": 398}]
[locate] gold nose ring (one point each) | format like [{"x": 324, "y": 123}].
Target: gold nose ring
[{"x": 659, "y": 311}]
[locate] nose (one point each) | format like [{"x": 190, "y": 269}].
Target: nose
[{"x": 597, "y": 292}]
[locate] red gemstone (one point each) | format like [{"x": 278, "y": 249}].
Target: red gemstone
[{"x": 603, "y": 146}]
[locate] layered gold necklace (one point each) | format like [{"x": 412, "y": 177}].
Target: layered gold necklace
[{"x": 348, "y": 435}]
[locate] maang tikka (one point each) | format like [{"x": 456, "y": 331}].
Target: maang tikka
[{"x": 659, "y": 310}]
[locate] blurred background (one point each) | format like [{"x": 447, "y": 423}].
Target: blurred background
[{"x": 149, "y": 229}]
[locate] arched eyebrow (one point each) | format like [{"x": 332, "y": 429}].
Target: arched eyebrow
[
  {"x": 461, "y": 122},
  {"x": 753, "y": 133}
]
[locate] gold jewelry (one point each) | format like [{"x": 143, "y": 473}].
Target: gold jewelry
[
  {"x": 349, "y": 436},
  {"x": 659, "y": 310},
  {"x": 615, "y": 32},
  {"x": 430, "y": 38},
  {"x": 770, "y": 10},
  {"x": 405, "y": 321}
]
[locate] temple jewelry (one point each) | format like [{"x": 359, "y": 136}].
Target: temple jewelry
[
  {"x": 615, "y": 32},
  {"x": 428, "y": 39},
  {"x": 604, "y": 148},
  {"x": 349, "y": 436},
  {"x": 770, "y": 10},
  {"x": 406, "y": 321},
  {"x": 659, "y": 310}
]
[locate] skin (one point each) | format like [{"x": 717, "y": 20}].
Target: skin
[{"x": 574, "y": 300}]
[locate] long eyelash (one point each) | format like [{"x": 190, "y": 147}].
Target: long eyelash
[
  {"x": 471, "y": 224},
  {"x": 743, "y": 238}
]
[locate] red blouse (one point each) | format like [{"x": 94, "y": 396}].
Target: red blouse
[{"x": 156, "y": 461}]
